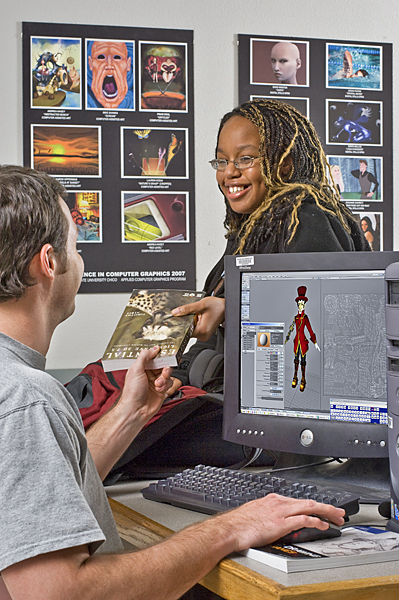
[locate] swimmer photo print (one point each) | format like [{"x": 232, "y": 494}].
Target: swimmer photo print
[
  {"x": 354, "y": 122},
  {"x": 163, "y": 77},
  {"x": 358, "y": 177},
  {"x": 55, "y": 73},
  {"x": 354, "y": 66},
  {"x": 279, "y": 62},
  {"x": 109, "y": 74},
  {"x": 157, "y": 152}
]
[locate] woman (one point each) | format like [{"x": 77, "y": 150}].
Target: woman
[
  {"x": 272, "y": 171},
  {"x": 337, "y": 178},
  {"x": 369, "y": 233}
]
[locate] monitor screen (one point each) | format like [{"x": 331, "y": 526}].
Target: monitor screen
[{"x": 305, "y": 368}]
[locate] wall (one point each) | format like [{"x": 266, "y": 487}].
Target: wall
[{"x": 83, "y": 337}]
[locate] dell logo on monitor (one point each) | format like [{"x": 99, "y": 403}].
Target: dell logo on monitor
[{"x": 306, "y": 437}]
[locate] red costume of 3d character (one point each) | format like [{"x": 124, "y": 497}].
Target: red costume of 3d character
[{"x": 301, "y": 344}]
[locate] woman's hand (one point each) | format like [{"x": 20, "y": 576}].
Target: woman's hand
[
  {"x": 175, "y": 387},
  {"x": 209, "y": 312}
]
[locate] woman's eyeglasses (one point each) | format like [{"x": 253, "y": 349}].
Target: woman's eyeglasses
[{"x": 243, "y": 162}]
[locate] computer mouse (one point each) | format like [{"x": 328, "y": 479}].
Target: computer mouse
[{"x": 310, "y": 534}]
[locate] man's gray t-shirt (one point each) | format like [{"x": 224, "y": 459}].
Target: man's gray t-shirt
[{"x": 51, "y": 496}]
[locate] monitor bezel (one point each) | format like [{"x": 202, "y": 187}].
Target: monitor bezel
[{"x": 282, "y": 434}]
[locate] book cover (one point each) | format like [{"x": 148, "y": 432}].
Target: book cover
[
  {"x": 356, "y": 546},
  {"x": 147, "y": 322}
]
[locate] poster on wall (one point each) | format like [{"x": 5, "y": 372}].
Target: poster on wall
[
  {"x": 109, "y": 112},
  {"x": 345, "y": 89}
]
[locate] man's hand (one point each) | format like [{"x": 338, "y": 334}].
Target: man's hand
[
  {"x": 144, "y": 390},
  {"x": 263, "y": 521},
  {"x": 142, "y": 396},
  {"x": 209, "y": 312}
]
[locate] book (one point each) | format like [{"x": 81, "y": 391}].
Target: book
[
  {"x": 146, "y": 322},
  {"x": 356, "y": 546}
]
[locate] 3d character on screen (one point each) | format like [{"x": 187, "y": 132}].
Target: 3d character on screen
[
  {"x": 286, "y": 61},
  {"x": 109, "y": 66},
  {"x": 301, "y": 344}
]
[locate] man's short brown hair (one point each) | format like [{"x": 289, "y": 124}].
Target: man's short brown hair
[{"x": 30, "y": 216}]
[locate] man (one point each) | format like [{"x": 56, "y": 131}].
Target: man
[
  {"x": 58, "y": 539},
  {"x": 366, "y": 179},
  {"x": 87, "y": 231},
  {"x": 109, "y": 63},
  {"x": 286, "y": 61}
]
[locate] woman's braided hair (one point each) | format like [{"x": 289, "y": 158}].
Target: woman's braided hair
[{"x": 283, "y": 132}]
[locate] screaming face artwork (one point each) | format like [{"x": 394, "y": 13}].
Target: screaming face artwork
[{"x": 109, "y": 68}]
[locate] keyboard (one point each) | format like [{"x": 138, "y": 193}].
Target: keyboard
[{"x": 213, "y": 489}]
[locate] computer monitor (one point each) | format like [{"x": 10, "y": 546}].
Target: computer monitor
[{"x": 341, "y": 409}]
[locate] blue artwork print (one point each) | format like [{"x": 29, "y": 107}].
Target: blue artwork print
[{"x": 355, "y": 123}]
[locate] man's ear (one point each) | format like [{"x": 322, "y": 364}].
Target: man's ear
[
  {"x": 44, "y": 263},
  {"x": 286, "y": 166}
]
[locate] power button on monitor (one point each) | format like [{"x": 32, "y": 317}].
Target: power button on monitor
[{"x": 307, "y": 437}]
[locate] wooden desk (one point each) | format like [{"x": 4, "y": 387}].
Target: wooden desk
[{"x": 234, "y": 581}]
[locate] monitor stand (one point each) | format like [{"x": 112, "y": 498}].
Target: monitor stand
[{"x": 368, "y": 478}]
